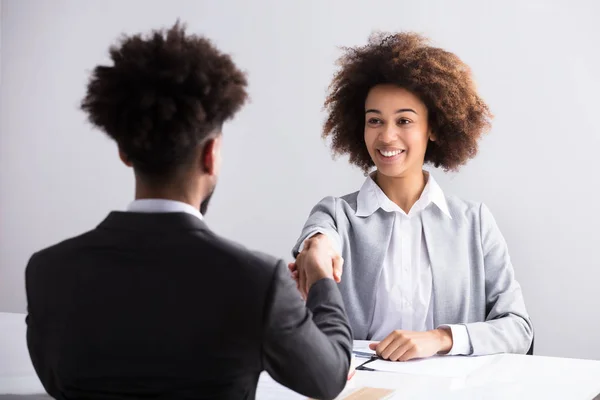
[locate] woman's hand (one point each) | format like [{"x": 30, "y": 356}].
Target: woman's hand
[
  {"x": 317, "y": 246},
  {"x": 408, "y": 345}
]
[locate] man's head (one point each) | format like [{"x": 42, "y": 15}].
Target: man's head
[{"x": 164, "y": 101}]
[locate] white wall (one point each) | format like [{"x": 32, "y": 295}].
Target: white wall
[{"x": 537, "y": 63}]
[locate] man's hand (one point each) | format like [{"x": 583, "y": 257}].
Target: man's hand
[
  {"x": 317, "y": 260},
  {"x": 407, "y": 345},
  {"x": 337, "y": 267}
]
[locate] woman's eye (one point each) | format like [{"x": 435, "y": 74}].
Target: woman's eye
[
  {"x": 403, "y": 121},
  {"x": 374, "y": 121}
]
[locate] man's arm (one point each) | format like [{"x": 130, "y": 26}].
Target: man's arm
[
  {"x": 37, "y": 350},
  {"x": 307, "y": 347}
]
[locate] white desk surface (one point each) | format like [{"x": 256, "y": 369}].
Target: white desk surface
[{"x": 506, "y": 376}]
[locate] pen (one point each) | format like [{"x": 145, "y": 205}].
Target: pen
[
  {"x": 362, "y": 367},
  {"x": 363, "y": 354}
]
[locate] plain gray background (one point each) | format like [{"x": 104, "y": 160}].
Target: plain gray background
[{"x": 537, "y": 64}]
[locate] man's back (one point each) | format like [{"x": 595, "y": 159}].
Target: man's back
[{"x": 153, "y": 305}]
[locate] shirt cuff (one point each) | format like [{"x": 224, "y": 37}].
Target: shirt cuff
[
  {"x": 461, "y": 342},
  {"x": 332, "y": 238}
]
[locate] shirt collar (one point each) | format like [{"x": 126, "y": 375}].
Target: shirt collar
[
  {"x": 162, "y": 206},
  {"x": 371, "y": 198}
]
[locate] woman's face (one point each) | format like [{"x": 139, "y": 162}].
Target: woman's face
[{"x": 396, "y": 130}]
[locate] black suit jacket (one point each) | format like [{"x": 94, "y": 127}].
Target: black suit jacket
[{"x": 158, "y": 306}]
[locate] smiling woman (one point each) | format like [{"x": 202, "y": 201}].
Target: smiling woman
[
  {"x": 435, "y": 78},
  {"x": 423, "y": 273},
  {"x": 396, "y": 138}
]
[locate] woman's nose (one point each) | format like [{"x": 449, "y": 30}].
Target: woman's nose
[{"x": 388, "y": 133}]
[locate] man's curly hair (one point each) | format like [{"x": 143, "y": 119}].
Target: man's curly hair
[
  {"x": 163, "y": 95},
  {"x": 457, "y": 115}
]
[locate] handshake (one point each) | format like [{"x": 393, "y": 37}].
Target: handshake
[{"x": 317, "y": 260}]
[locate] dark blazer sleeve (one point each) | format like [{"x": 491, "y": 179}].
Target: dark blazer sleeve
[
  {"x": 37, "y": 351},
  {"x": 307, "y": 347}
]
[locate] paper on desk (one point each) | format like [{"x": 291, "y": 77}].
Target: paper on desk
[{"x": 441, "y": 366}]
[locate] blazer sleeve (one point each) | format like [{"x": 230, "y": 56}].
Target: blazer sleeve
[
  {"x": 38, "y": 350},
  {"x": 321, "y": 220},
  {"x": 307, "y": 347},
  {"x": 507, "y": 328}
]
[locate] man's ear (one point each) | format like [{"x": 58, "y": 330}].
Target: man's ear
[
  {"x": 124, "y": 158},
  {"x": 211, "y": 155}
]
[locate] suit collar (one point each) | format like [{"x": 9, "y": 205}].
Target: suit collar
[
  {"x": 152, "y": 222},
  {"x": 163, "y": 206}
]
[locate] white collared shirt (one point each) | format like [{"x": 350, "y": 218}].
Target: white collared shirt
[
  {"x": 404, "y": 295},
  {"x": 162, "y": 206}
]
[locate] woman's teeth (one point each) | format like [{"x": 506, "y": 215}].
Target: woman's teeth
[{"x": 391, "y": 153}]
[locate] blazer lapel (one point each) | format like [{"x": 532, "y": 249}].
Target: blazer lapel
[
  {"x": 446, "y": 249},
  {"x": 371, "y": 238}
]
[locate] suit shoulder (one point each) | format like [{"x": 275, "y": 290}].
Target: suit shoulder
[
  {"x": 63, "y": 247},
  {"x": 49, "y": 258},
  {"x": 334, "y": 205},
  {"x": 332, "y": 202},
  {"x": 349, "y": 200},
  {"x": 462, "y": 207},
  {"x": 240, "y": 254}
]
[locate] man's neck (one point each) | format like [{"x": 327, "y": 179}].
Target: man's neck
[
  {"x": 404, "y": 190},
  {"x": 167, "y": 193}
]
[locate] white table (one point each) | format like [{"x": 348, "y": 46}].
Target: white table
[{"x": 505, "y": 376}]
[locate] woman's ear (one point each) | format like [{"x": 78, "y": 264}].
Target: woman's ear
[{"x": 432, "y": 136}]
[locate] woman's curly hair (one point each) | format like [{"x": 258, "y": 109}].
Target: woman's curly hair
[
  {"x": 163, "y": 95},
  {"x": 457, "y": 115}
]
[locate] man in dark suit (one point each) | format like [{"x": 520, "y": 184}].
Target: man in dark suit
[{"x": 152, "y": 303}]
